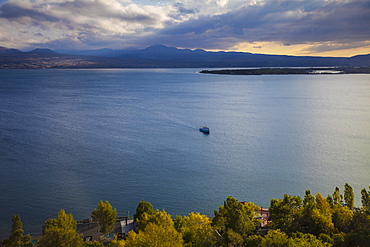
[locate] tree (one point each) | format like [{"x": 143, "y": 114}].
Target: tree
[
  {"x": 309, "y": 200},
  {"x": 342, "y": 218},
  {"x": 17, "y": 239},
  {"x": 360, "y": 230},
  {"x": 339, "y": 240},
  {"x": 330, "y": 200},
  {"x": 155, "y": 235},
  {"x": 324, "y": 221},
  {"x": 237, "y": 216},
  {"x": 365, "y": 199},
  {"x": 179, "y": 222},
  {"x": 161, "y": 218},
  {"x": 105, "y": 215},
  {"x": 117, "y": 243},
  {"x": 234, "y": 239},
  {"x": 254, "y": 241},
  {"x": 156, "y": 228},
  {"x": 93, "y": 244},
  {"x": 316, "y": 217},
  {"x": 349, "y": 196},
  {"x": 276, "y": 238},
  {"x": 323, "y": 205},
  {"x": 337, "y": 197},
  {"x": 306, "y": 240},
  {"x": 143, "y": 207},
  {"x": 60, "y": 232},
  {"x": 197, "y": 230},
  {"x": 285, "y": 212}
]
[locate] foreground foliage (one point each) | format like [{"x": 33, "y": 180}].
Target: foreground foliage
[
  {"x": 17, "y": 238},
  {"x": 294, "y": 222},
  {"x": 105, "y": 215},
  {"x": 60, "y": 232},
  {"x": 331, "y": 220}
]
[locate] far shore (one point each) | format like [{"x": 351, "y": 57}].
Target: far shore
[{"x": 291, "y": 71}]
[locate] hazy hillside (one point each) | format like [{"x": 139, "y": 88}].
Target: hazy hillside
[{"x": 159, "y": 56}]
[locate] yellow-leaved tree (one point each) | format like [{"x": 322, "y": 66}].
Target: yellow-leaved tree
[
  {"x": 60, "y": 232},
  {"x": 155, "y": 229}
]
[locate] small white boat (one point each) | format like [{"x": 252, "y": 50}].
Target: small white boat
[{"x": 204, "y": 129}]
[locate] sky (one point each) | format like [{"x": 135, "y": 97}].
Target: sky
[{"x": 289, "y": 27}]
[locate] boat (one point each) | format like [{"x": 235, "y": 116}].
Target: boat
[{"x": 204, "y": 129}]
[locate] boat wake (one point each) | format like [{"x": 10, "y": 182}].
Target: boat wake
[{"x": 165, "y": 116}]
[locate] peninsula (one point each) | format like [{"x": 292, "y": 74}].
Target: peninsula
[{"x": 290, "y": 71}]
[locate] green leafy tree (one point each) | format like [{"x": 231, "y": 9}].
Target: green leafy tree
[
  {"x": 156, "y": 228},
  {"x": 237, "y": 216},
  {"x": 60, "y": 232},
  {"x": 305, "y": 221},
  {"x": 360, "y": 220},
  {"x": 325, "y": 238},
  {"x": 306, "y": 240},
  {"x": 337, "y": 197},
  {"x": 155, "y": 235},
  {"x": 329, "y": 199},
  {"x": 360, "y": 230},
  {"x": 349, "y": 196},
  {"x": 365, "y": 199},
  {"x": 254, "y": 241},
  {"x": 143, "y": 207},
  {"x": 179, "y": 222},
  {"x": 316, "y": 217},
  {"x": 161, "y": 218},
  {"x": 276, "y": 238},
  {"x": 233, "y": 238},
  {"x": 342, "y": 218},
  {"x": 323, "y": 205},
  {"x": 320, "y": 223},
  {"x": 197, "y": 230},
  {"x": 17, "y": 239},
  {"x": 117, "y": 243},
  {"x": 285, "y": 212},
  {"x": 105, "y": 215},
  {"x": 93, "y": 244},
  {"x": 324, "y": 217},
  {"x": 309, "y": 201},
  {"x": 339, "y": 240}
]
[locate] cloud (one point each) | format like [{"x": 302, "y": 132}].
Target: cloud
[
  {"x": 287, "y": 22},
  {"x": 12, "y": 12},
  {"x": 334, "y": 46},
  {"x": 210, "y": 24},
  {"x": 66, "y": 20},
  {"x": 222, "y": 3}
]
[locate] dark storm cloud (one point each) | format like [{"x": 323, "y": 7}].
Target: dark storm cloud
[
  {"x": 212, "y": 24},
  {"x": 185, "y": 11},
  {"x": 13, "y": 11},
  {"x": 100, "y": 9},
  {"x": 82, "y": 13},
  {"x": 293, "y": 22},
  {"x": 81, "y": 22}
]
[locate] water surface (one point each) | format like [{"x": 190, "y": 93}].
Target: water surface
[{"x": 69, "y": 138}]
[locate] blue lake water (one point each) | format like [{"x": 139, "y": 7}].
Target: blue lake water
[{"x": 69, "y": 138}]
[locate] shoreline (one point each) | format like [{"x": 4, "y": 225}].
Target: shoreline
[{"x": 291, "y": 71}]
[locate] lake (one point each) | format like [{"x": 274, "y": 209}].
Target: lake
[{"x": 69, "y": 138}]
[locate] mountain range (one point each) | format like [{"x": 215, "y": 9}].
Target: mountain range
[{"x": 160, "y": 56}]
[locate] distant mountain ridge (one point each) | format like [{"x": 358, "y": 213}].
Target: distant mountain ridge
[
  {"x": 160, "y": 56},
  {"x": 4, "y": 50}
]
